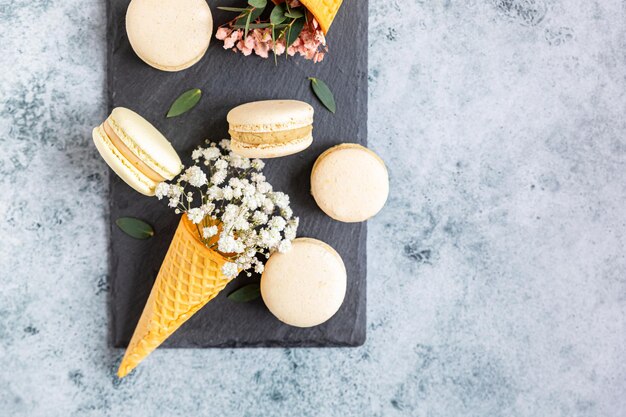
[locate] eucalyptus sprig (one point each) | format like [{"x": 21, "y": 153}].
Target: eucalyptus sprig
[{"x": 247, "y": 15}]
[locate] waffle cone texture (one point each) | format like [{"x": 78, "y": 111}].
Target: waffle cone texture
[
  {"x": 190, "y": 276},
  {"x": 323, "y": 10}
]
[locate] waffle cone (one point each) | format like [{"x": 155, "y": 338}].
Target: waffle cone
[
  {"x": 190, "y": 276},
  {"x": 323, "y": 10}
]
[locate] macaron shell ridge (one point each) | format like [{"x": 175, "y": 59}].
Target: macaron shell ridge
[
  {"x": 116, "y": 161},
  {"x": 271, "y": 150}
]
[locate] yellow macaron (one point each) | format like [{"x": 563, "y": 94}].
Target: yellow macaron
[
  {"x": 349, "y": 182},
  {"x": 305, "y": 286},
  {"x": 270, "y": 128},
  {"x": 169, "y": 35},
  {"x": 136, "y": 151}
]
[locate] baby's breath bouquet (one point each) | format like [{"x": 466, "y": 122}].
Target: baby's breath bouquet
[{"x": 235, "y": 210}]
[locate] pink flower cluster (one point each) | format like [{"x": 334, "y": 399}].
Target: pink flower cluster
[{"x": 311, "y": 44}]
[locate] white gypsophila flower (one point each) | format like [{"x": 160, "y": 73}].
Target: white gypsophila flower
[
  {"x": 174, "y": 202},
  {"x": 237, "y": 193},
  {"x": 175, "y": 191},
  {"x": 211, "y": 153},
  {"x": 195, "y": 215},
  {"x": 257, "y": 164},
  {"x": 259, "y": 267},
  {"x": 268, "y": 206},
  {"x": 230, "y": 269},
  {"x": 269, "y": 237},
  {"x": 225, "y": 144},
  {"x": 221, "y": 164},
  {"x": 162, "y": 190},
  {"x": 280, "y": 199},
  {"x": 231, "y": 212},
  {"x": 228, "y": 193},
  {"x": 195, "y": 176},
  {"x": 228, "y": 244},
  {"x": 290, "y": 232},
  {"x": 209, "y": 232},
  {"x": 241, "y": 223},
  {"x": 259, "y": 218},
  {"x": 207, "y": 208},
  {"x": 214, "y": 193},
  {"x": 277, "y": 223},
  {"x": 240, "y": 162},
  {"x": 264, "y": 188},
  {"x": 284, "y": 246},
  {"x": 287, "y": 213},
  {"x": 250, "y": 203},
  {"x": 196, "y": 154},
  {"x": 257, "y": 177},
  {"x": 219, "y": 177},
  {"x": 235, "y": 182}
]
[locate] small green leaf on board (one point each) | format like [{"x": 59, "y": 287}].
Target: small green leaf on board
[
  {"x": 246, "y": 293},
  {"x": 135, "y": 227},
  {"x": 185, "y": 102},
  {"x": 323, "y": 93}
]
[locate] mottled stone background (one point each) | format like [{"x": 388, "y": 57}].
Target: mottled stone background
[{"x": 497, "y": 271}]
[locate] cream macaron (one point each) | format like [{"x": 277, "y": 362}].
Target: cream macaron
[
  {"x": 136, "y": 150},
  {"x": 169, "y": 35},
  {"x": 349, "y": 183},
  {"x": 270, "y": 128},
  {"x": 305, "y": 286}
]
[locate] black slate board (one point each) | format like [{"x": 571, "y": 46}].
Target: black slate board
[{"x": 227, "y": 80}]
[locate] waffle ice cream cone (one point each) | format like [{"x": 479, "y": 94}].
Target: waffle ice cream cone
[
  {"x": 190, "y": 277},
  {"x": 323, "y": 10}
]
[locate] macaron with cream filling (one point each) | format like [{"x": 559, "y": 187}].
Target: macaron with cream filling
[
  {"x": 305, "y": 286},
  {"x": 350, "y": 183},
  {"x": 170, "y": 35},
  {"x": 136, "y": 151},
  {"x": 270, "y": 128}
]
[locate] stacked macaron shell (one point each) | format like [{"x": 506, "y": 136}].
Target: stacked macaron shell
[
  {"x": 305, "y": 286},
  {"x": 350, "y": 183},
  {"x": 136, "y": 150},
  {"x": 271, "y": 128},
  {"x": 169, "y": 35}
]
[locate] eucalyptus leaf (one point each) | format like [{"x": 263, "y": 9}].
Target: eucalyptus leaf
[
  {"x": 259, "y": 4},
  {"x": 233, "y": 9},
  {"x": 293, "y": 31},
  {"x": 278, "y": 15},
  {"x": 294, "y": 14},
  {"x": 252, "y": 13},
  {"x": 323, "y": 93},
  {"x": 185, "y": 102},
  {"x": 246, "y": 293},
  {"x": 135, "y": 227}
]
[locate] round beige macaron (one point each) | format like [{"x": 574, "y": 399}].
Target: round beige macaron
[
  {"x": 136, "y": 151},
  {"x": 270, "y": 128},
  {"x": 169, "y": 35},
  {"x": 305, "y": 286},
  {"x": 350, "y": 183}
]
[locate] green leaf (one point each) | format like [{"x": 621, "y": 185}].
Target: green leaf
[
  {"x": 294, "y": 31},
  {"x": 233, "y": 9},
  {"x": 185, "y": 102},
  {"x": 323, "y": 93},
  {"x": 259, "y": 4},
  {"x": 245, "y": 35},
  {"x": 278, "y": 15},
  {"x": 246, "y": 293},
  {"x": 135, "y": 228},
  {"x": 253, "y": 13},
  {"x": 294, "y": 14}
]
